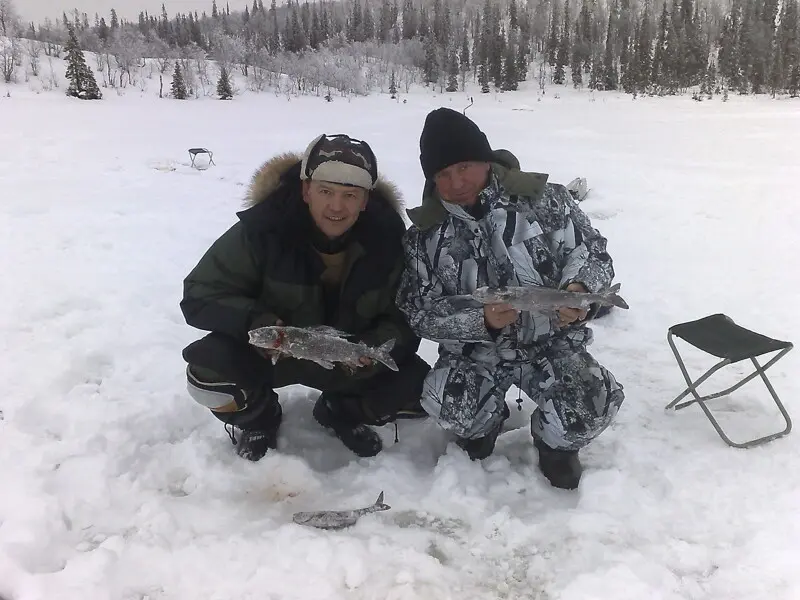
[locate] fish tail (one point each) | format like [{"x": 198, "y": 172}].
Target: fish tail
[
  {"x": 379, "y": 504},
  {"x": 382, "y": 354},
  {"x": 612, "y": 296}
]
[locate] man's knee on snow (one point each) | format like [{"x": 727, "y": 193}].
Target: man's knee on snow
[
  {"x": 210, "y": 391},
  {"x": 462, "y": 400},
  {"x": 583, "y": 397}
]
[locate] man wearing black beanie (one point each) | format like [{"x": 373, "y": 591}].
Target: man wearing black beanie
[{"x": 484, "y": 222}]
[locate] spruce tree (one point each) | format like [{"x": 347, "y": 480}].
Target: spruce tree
[
  {"x": 552, "y": 41},
  {"x": 274, "y": 43},
  {"x": 629, "y": 71},
  {"x": 431, "y": 66},
  {"x": 522, "y": 59},
  {"x": 464, "y": 57},
  {"x": 776, "y": 71},
  {"x": 224, "y": 90},
  {"x": 409, "y": 20},
  {"x": 596, "y": 74},
  {"x": 82, "y": 83},
  {"x": 794, "y": 81},
  {"x": 393, "y": 87},
  {"x": 577, "y": 70},
  {"x": 314, "y": 36},
  {"x": 496, "y": 59},
  {"x": 483, "y": 77},
  {"x": 562, "y": 58},
  {"x": 609, "y": 79},
  {"x": 658, "y": 73},
  {"x": 710, "y": 79},
  {"x": 178, "y": 83},
  {"x": 368, "y": 22},
  {"x": 510, "y": 77},
  {"x": 643, "y": 54},
  {"x": 452, "y": 72}
]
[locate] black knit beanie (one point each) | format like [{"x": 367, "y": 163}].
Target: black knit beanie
[{"x": 449, "y": 137}]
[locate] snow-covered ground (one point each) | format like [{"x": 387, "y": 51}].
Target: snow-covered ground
[{"x": 115, "y": 485}]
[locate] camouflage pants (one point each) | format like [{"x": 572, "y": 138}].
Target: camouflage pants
[{"x": 577, "y": 398}]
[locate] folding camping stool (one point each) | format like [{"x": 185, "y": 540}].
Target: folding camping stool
[
  {"x": 193, "y": 152},
  {"x": 719, "y": 336}
]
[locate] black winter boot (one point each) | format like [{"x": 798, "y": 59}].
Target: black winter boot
[
  {"x": 254, "y": 444},
  {"x": 359, "y": 438},
  {"x": 561, "y": 467},
  {"x": 480, "y": 448},
  {"x": 258, "y": 427}
]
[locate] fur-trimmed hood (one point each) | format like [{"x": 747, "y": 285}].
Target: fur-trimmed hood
[{"x": 281, "y": 169}]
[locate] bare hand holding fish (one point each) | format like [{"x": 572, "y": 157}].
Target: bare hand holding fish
[
  {"x": 568, "y": 315},
  {"x": 498, "y": 316}
]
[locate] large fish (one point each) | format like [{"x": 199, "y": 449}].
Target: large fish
[
  {"x": 337, "y": 519},
  {"x": 546, "y": 298},
  {"x": 321, "y": 344}
]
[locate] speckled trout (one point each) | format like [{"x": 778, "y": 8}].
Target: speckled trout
[
  {"x": 321, "y": 344},
  {"x": 546, "y": 298},
  {"x": 338, "y": 519}
]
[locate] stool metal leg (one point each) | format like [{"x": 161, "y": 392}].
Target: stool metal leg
[
  {"x": 701, "y": 400},
  {"x": 692, "y": 385}
]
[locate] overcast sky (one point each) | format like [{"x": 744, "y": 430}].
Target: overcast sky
[{"x": 37, "y": 10}]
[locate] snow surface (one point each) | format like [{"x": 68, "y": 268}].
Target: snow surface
[{"x": 114, "y": 484}]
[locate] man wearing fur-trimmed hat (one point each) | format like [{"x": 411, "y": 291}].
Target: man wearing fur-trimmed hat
[
  {"x": 319, "y": 244},
  {"x": 484, "y": 222}
]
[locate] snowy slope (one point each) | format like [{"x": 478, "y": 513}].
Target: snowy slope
[{"x": 115, "y": 485}]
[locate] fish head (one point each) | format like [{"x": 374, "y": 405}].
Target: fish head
[
  {"x": 268, "y": 337},
  {"x": 302, "y": 518}
]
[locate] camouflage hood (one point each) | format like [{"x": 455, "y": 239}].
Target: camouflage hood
[{"x": 285, "y": 168}]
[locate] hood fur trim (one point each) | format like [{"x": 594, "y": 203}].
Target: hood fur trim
[{"x": 268, "y": 177}]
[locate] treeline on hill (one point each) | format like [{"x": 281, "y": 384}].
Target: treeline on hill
[{"x": 356, "y": 46}]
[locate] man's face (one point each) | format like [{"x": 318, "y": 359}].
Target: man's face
[
  {"x": 462, "y": 182},
  {"x": 334, "y": 207}
]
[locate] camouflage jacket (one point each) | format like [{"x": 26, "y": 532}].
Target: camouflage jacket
[{"x": 531, "y": 233}]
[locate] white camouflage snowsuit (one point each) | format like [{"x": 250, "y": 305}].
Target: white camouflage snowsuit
[{"x": 532, "y": 233}]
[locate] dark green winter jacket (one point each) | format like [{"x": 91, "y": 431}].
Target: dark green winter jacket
[{"x": 264, "y": 267}]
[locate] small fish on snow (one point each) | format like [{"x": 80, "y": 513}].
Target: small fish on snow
[
  {"x": 546, "y": 298},
  {"x": 338, "y": 519},
  {"x": 321, "y": 344}
]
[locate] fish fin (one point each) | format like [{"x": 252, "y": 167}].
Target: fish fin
[
  {"x": 381, "y": 353},
  {"x": 325, "y": 364}
]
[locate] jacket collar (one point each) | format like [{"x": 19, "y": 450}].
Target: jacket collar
[{"x": 434, "y": 211}]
